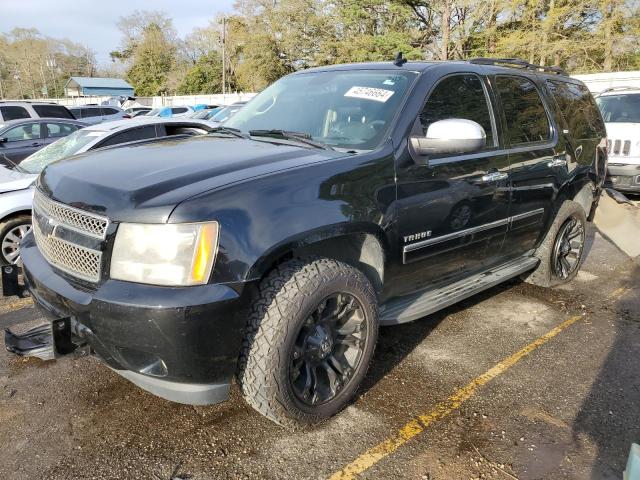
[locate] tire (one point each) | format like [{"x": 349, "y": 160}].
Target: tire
[
  {"x": 549, "y": 273},
  {"x": 286, "y": 336},
  {"x": 11, "y": 233}
]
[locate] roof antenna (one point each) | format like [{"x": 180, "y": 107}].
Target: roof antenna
[{"x": 400, "y": 60}]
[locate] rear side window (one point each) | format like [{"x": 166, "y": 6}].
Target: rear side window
[
  {"x": 459, "y": 96},
  {"x": 178, "y": 110},
  {"x": 578, "y": 108},
  {"x": 525, "y": 115},
  {"x": 14, "y": 112},
  {"x": 57, "y": 130},
  {"x": 55, "y": 111},
  {"x": 90, "y": 112},
  {"x": 109, "y": 111},
  {"x": 132, "y": 135}
]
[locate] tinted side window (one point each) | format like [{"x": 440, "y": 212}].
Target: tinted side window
[
  {"x": 56, "y": 130},
  {"x": 458, "y": 96},
  {"x": 133, "y": 135},
  {"x": 14, "y": 113},
  {"x": 90, "y": 112},
  {"x": 109, "y": 111},
  {"x": 526, "y": 118},
  {"x": 30, "y": 131},
  {"x": 55, "y": 111},
  {"x": 178, "y": 110},
  {"x": 578, "y": 108}
]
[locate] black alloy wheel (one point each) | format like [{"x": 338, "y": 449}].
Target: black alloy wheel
[
  {"x": 568, "y": 248},
  {"x": 328, "y": 349}
]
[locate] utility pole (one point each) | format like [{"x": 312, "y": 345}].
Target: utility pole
[
  {"x": 1, "y": 92},
  {"x": 16, "y": 76},
  {"x": 224, "y": 48}
]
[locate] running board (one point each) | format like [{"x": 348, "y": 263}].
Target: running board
[{"x": 417, "y": 305}]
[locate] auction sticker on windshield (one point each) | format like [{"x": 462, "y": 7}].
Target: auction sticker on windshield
[{"x": 369, "y": 93}]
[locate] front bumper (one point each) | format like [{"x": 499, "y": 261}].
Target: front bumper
[
  {"x": 178, "y": 343},
  {"x": 624, "y": 177}
]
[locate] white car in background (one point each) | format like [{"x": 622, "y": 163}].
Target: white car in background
[
  {"x": 620, "y": 107},
  {"x": 16, "y": 182}
]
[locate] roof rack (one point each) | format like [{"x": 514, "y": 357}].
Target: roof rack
[{"x": 516, "y": 62}]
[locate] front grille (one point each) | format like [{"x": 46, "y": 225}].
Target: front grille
[
  {"x": 619, "y": 147},
  {"x": 77, "y": 260},
  {"x": 73, "y": 218}
]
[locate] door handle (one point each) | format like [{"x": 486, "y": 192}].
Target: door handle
[
  {"x": 558, "y": 161},
  {"x": 35, "y": 144},
  {"x": 494, "y": 176}
]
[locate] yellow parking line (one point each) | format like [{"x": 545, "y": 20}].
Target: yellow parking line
[
  {"x": 443, "y": 409},
  {"x": 618, "y": 293},
  {"x": 15, "y": 305}
]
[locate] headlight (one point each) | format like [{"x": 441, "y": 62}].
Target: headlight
[{"x": 165, "y": 254}]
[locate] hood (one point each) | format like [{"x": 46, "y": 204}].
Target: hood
[
  {"x": 617, "y": 135},
  {"x": 11, "y": 180},
  {"x": 144, "y": 182}
]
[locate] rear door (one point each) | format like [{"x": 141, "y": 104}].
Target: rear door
[
  {"x": 452, "y": 213},
  {"x": 55, "y": 130},
  {"x": 538, "y": 159}
]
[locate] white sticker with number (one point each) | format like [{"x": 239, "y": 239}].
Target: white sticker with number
[{"x": 369, "y": 93}]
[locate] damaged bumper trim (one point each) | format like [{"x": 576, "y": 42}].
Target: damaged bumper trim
[
  {"x": 37, "y": 342},
  {"x": 187, "y": 393}
]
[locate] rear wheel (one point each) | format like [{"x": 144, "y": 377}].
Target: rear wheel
[
  {"x": 561, "y": 253},
  {"x": 12, "y": 232},
  {"x": 309, "y": 341}
]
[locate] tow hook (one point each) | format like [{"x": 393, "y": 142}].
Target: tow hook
[
  {"x": 47, "y": 341},
  {"x": 11, "y": 285}
]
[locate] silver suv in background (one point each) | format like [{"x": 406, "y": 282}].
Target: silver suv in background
[
  {"x": 93, "y": 114},
  {"x": 620, "y": 107},
  {"x": 16, "y": 181},
  {"x": 19, "y": 110}
]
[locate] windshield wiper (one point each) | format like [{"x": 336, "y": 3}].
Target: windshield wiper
[
  {"x": 17, "y": 167},
  {"x": 231, "y": 131},
  {"x": 299, "y": 137}
]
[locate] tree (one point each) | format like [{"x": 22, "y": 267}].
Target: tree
[{"x": 204, "y": 77}]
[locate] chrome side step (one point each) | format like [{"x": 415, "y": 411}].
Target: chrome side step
[{"x": 417, "y": 305}]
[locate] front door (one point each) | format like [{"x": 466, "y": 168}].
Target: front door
[
  {"x": 452, "y": 213},
  {"x": 538, "y": 160},
  {"x": 21, "y": 141}
]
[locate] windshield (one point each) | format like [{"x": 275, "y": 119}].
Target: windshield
[
  {"x": 225, "y": 113},
  {"x": 344, "y": 109},
  {"x": 204, "y": 114},
  {"x": 620, "y": 108},
  {"x": 65, "y": 147}
]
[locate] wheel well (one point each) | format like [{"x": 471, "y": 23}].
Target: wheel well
[
  {"x": 363, "y": 251},
  {"x": 15, "y": 214}
]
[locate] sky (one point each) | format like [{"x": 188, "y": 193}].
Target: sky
[{"x": 93, "y": 22}]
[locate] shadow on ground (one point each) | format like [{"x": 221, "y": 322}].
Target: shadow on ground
[{"x": 610, "y": 414}]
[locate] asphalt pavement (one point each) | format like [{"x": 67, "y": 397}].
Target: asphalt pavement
[{"x": 517, "y": 382}]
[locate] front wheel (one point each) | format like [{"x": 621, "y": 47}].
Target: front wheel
[
  {"x": 309, "y": 341},
  {"x": 12, "y": 232},
  {"x": 561, "y": 253}
]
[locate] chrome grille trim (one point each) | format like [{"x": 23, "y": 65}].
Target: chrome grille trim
[
  {"x": 73, "y": 259},
  {"x": 73, "y": 218}
]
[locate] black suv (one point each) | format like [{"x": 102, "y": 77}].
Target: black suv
[{"x": 339, "y": 199}]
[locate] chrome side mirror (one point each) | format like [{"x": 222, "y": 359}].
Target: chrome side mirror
[{"x": 454, "y": 135}]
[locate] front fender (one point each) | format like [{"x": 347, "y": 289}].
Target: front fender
[{"x": 263, "y": 218}]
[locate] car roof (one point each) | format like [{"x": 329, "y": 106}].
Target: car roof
[
  {"x": 19, "y": 121},
  {"x": 478, "y": 65},
  {"x": 27, "y": 102}
]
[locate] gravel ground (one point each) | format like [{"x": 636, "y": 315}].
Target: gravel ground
[{"x": 570, "y": 409}]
